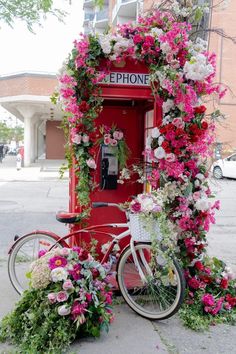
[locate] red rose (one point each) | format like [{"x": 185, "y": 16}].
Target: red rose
[
  {"x": 194, "y": 283},
  {"x": 84, "y": 106},
  {"x": 83, "y": 255},
  {"x": 95, "y": 273},
  {"x": 204, "y": 125},
  {"x": 224, "y": 283},
  {"x": 200, "y": 109},
  {"x": 199, "y": 266}
]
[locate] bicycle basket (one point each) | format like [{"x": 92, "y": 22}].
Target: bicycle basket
[{"x": 138, "y": 230}]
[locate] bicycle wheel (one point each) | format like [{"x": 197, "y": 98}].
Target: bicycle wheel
[
  {"x": 24, "y": 251},
  {"x": 155, "y": 297}
]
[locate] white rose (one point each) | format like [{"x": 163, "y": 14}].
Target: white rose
[
  {"x": 202, "y": 204},
  {"x": 147, "y": 204},
  {"x": 155, "y": 132},
  {"x": 59, "y": 274},
  {"x": 63, "y": 310},
  {"x": 167, "y": 105},
  {"x": 160, "y": 140},
  {"x": 159, "y": 153}
]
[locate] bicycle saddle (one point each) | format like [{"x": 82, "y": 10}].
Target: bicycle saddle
[{"x": 67, "y": 218}]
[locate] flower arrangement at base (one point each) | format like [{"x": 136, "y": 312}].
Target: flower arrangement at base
[{"x": 69, "y": 297}]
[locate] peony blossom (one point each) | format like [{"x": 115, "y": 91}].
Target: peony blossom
[
  {"x": 52, "y": 298},
  {"x": 59, "y": 274}
]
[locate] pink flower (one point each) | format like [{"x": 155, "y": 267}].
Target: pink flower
[
  {"x": 57, "y": 261},
  {"x": 64, "y": 251},
  {"x": 208, "y": 300},
  {"x": 75, "y": 272},
  {"x": 62, "y": 296},
  {"x": 107, "y": 140},
  {"x": 113, "y": 142},
  {"x": 91, "y": 163},
  {"x": 135, "y": 207},
  {"x": 77, "y": 309},
  {"x": 137, "y": 39},
  {"x": 68, "y": 285},
  {"x": 85, "y": 138},
  {"x": 118, "y": 135},
  {"x": 76, "y": 139},
  {"x": 52, "y": 297},
  {"x": 42, "y": 253}
]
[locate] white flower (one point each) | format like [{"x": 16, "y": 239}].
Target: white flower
[
  {"x": 200, "y": 176},
  {"x": 105, "y": 42},
  {"x": 63, "y": 310},
  {"x": 167, "y": 105},
  {"x": 156, "y": 31},
  {"x": 197, "y": 68},
  {"x": 147, "y": 204},
  {"x": 59, "y": 274},
  {"x": 148, "y": 142},
  {"x": 160, "y": 140},
  {"x": 159, "y": 153},
  {"x": 203, "y": 204},
  {"x": 155, "y": 132},
  {"x": 164, "y": 46}
]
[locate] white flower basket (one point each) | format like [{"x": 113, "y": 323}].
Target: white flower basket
[{"x": 138, "y": 230}]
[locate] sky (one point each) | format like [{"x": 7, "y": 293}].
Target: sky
[
  {"x": 47, "y": 48},
  {"x": 43, "y": 51}
]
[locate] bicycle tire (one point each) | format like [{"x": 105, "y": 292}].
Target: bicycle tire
[
  {"x": 20, "y": 256},
  {"x": 146, "y": 299}
]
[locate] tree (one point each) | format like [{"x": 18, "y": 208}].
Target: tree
[
  {"x": 8, "y": 134},
  {"x": 29, "y": 11}
]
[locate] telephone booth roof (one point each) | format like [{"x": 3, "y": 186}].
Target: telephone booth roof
[{"x": 127, "y": 80}]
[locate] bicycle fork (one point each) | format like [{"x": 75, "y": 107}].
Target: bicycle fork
[{"x": 137, "y": 263}]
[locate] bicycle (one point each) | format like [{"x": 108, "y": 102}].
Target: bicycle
[{"x": 145, "y": 292}]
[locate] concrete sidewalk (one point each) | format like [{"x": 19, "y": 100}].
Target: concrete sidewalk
[{"x": 40, "y": 170}]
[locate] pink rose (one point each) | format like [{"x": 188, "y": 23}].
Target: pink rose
[
  {"x": 118, "y": 135},
  {"x": 52, "y": 297},
  {"x": 85, "y": 138},
  {"x": 91, "y": 163},
  {"x": 107, "y": 140},
  {"x": 62, "y": 296},
  {"x": 113, "y": 142},
  {"x": 76, "y": 139},
  {"x": 135, "y": 207},
  {"x": 63, "y": 310},
  {"x": 64, "y": 251},
  {"x": 68, "y": 285}
]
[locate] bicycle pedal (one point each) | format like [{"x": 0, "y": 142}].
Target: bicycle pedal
[{"x": 16, "y": 237}]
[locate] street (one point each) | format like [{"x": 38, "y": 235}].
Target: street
[{"x": 27, "y": 204}]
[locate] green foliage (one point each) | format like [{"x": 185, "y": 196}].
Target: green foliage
[
  {"x": 29, "y": 11},
  {"x": 7, "y": 134},
  {"x": 35, "y": 328},
  {"x": 193, "y": 317}
]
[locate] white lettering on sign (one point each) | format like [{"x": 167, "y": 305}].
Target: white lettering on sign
[{"x": 117, "y": 78}]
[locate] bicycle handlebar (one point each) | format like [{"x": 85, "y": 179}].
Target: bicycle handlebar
[{"x": 105, "y": 204}]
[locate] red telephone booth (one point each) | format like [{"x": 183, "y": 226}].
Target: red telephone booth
[{"x": 130, "y": 105}]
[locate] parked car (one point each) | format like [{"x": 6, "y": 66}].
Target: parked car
[{"x": 225, "y": 167}]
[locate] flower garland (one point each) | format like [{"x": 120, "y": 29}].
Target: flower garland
[{"x": 181, "y": 74}]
